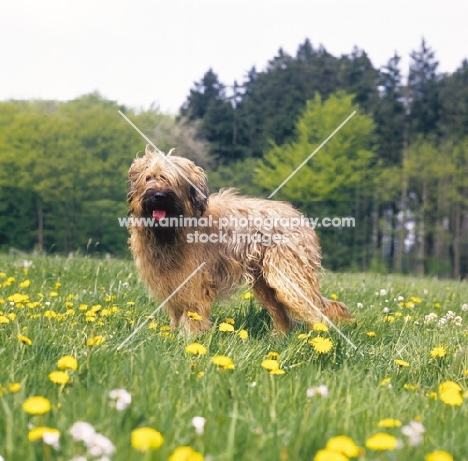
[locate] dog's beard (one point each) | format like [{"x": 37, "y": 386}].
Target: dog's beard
[{"x": 163, "y": 205}]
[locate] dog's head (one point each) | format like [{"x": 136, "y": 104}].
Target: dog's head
[{"x": 164, "y": 187}]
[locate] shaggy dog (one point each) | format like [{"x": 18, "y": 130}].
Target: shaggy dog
[{"x": 238, "y": 238}]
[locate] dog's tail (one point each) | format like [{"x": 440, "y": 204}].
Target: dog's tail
[{"x": 335, "y": 310}]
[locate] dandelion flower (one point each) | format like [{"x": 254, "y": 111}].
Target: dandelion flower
[
  {"x": 185, "y": 453},
  {"x": 24, "y": 340},
  {"x": 247, "y": 295},
  {"x": 329, "y": 455},
  {"x": 59, "y": 377},
  {"x": 3, "y": 319},
  {"x": 223, "y": 362},
  {"x": 273, "y": 355},
  {"x": 226, "y": 327},
  {"x": 25, "y": 284},
  {"x": 302, "y": 336},
  {"x": 40, "y": 432},
  {"x": 67, "y": 362},
  {"x": 389, "y": 422},
  {"x": 343, "y": 444},
  {"x": 438, "y": 352},
  {"x": 194, "y": 316},
  {"x": 146, "y": 438},
  {"x": 195, "y": 349},
  {"x": 371, "y": 333},
  {"x": 95, "y": 341},
  {"x": 402, "y": 363},
  {"x": 230, "y": 320},
  {"x": 270, "y": 364},
  {"x": 319, "y": 327},
  {"x": 14, "y": 387},
  {"x": 382, "y": 441},
  {"x": 36, "y": 405},
  {"x": 243, "y": 334},
  {"x": 438, "y": 455},
  {"x": 321, "y": 345}
]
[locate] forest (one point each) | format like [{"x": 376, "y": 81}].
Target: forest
[{"x": 398, "y": 166}]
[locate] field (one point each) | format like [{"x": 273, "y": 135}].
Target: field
[{"x": 407, "y": 379}]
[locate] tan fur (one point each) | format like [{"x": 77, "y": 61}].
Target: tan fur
[{"x": 164, "y": 266}]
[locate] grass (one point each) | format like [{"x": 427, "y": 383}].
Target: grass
[{"x": 250, "y": 414}]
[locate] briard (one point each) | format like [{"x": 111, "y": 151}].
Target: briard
[{"x": 177, "y": 226}]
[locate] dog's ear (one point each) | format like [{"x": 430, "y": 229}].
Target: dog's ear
[{"x": 199, "y": 195}]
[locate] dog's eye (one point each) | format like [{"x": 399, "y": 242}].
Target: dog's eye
[{"x": 148, "y": 178}]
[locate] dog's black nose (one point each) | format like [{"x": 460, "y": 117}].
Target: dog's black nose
[{"x": 159, "y": 195}]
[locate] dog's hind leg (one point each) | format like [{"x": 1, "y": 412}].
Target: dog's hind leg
[{"x": 266, "y": 296}]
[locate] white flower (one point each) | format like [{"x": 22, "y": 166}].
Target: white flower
[
  {"x": 464, "y": 307},
  {"x": 26, "y": 265},
  {"x": 52, "y": 439},
  {"x": 429, "y": 318},
  {"x": 442, "y": 321},
  {"x": 121, "y": 397},
  {"x": 360, "y": 305},
  {"x": 425, "y": 291},
  {"x": 1, "y": 458},
  {"x": 457, "y": 321},
  {"x": 450, "y": 315},
  {"x": 400, "y": 298},
  {"x": 100, "y": 445},
  {"x": 383, "y": 292},
  {"x": 385, "y": 310},
  {"x": 414, "y": 431},
  {"x": 321, "y": 390},
  {"x": 79, "y": 458},
  {"x": 82, "y": 432},
  {"x": 198, "y": 422}
]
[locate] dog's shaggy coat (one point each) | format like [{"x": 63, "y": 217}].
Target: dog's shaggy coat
[{"x": 164, "y": 257}]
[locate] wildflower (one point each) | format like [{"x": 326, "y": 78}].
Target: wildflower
[
  {"x": 272, "y": 355},
  {"x": 414, "y": 431},
  {"x": 329, "y": 455},
  {"x": 3, "y": 319},
  {"x": 319, "y": 327},
  {"x": 195, "y": 349},
  {"x": 14, "y": 387},
  {"x": 53, "y": 294},
  {"x": 25, "y": 340},
  {"x": 36, "y": 405},
  {"x": 243, "y": 334},
  {"x": 225, "y": 327},
  {"x": 411, "y": 387},
  {"x": 385, "y": 382},
  {"x": 95, "y": 341},
  {"x": 198, "y": 422},
  {"x": 122, "y": 399},
  {"x": 185, "y": 453},
  {"x": 464, "y": 307},
  {"x": 371, "y": 333},
  {"x": 100, "y": 445},
  {"x": 25, "y": 284},
  {"x": 429, "y": 318},
  {"x": 59, "y": 377},
  {"x": 247, "y": 295},
  {"x": 82, "y": 432},
  {"x": 334, "y": 296},
  {"x": 389, "y": 319},
  {"x": 321, "y": 390},
  {"x": 321, "y": 345},
  {"x": 67, "y": 362},
  {"x": 383, "y": 292},
  {"x": 450, "y": 393},
  {"x": 343, "y": 444},
  {"x": 270, "y": 364},
  {"x": 389, "y": 422},
  {"x": 360, "y": 305},
  {"x": 223, "y": 362},
  {"x": 302, "y": 336},
  {"x": 49, "y": 436},
  {"x": 230, "y": 320},
  {"x": 145, "y": 438},
  {"x": 438, "y": 352},
  {"x": 194, "y": 316},
  {"x": 277, "y": 371},
  {"x": 130, "y": 303},
  {"x": 382, "y": 441},
  {"x": 415, "y": 299},
  {"x": 438, "y": 455},
  {"x": 402, "y": 363}
]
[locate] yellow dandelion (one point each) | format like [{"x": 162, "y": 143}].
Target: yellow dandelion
[
  {"x": 53, "y": 294},
  {"x": 432, "y": 395},
  {"x": 59, "y": 377},
  {"x": 334, "y": 296},
  {"x": 437, "y": 305},
  {"x": 195, "y": 349},
  {"x": 385, "y": 381},
  {"x": 14, "y": 387},
  {"x": 401, "y": 363},
  {"x": 450, "y": 393},
  {"x": 152, "y": 325},
  {"x": 389, "y": 422},
  {"x": 83, "y": 307},
  {"x": 389, "y": 319},
  {"x": 321, "y": 345},
  {"x": 277, "y": 371},
  {"x": 24, "y": 340},
  {"x": 12, "y": 316},
  {"x": 194, "y": 316},
  {"x": 200, "y": 374},
  {"x": 146, "y": 438},
  {"x": 225, "y": 327},
  {"x": 230, "y": 320},
  {"x": 411, "y": 387},
  {"x": 185, "y": 453},
  {"x": 371, "y": 333},
  {"x": 319, "y": 327},
  {"x": 3, "y": 319},
  {"x": 416, "y": 300},
  {"x": 36, "y": 405},
  {"x": 272, "y": 355},
  {"x": 247, "y": 295},
  {"x": 95, "y": 341},
  {"x": 223, "y": 362},
  {"x": 243, "y": 334},
  {"x": 381, "y": 441},
  {"x": 343, "y": 444},
  {"x": 130, "y": 303},
  {"x": 38, "y": 433},
  {"x": 438, "y": 352},
  {"x": 438, "y": 455},
  {"x": 302, "y": 336},
  {"x": 270, "y": 364},
  {"x": 67, "y": 362},
  {"x": 25, "y": 284},
  {"x": 329, "y": 455}
]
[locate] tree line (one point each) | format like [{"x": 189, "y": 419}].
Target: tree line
[{"x": 398, "y": 166}]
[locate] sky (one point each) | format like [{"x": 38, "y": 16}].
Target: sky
[{"x": 145, "y": 52}]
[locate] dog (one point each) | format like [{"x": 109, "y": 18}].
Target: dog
[{"x": 233, "y": 238}]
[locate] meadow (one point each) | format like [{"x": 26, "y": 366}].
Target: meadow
[{"x": 237, "y": 392}]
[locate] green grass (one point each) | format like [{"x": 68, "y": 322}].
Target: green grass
[{"x": 250, "y": 415}]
